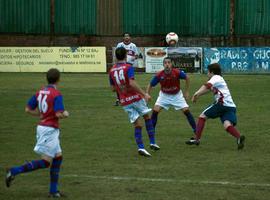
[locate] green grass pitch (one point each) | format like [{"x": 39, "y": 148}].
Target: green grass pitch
[{"x": 100, "y": 156}]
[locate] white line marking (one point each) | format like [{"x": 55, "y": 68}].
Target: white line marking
[{"x": 167, "y": 180}]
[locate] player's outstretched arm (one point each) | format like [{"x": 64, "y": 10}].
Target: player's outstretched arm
[
  {"x": 152, "y": 84},
  {"x": 203, "y": 90},
  {"x": 34, "y": 112},
  {"x": 62, "y": 115},
  {"x": 187, "y": 86}
]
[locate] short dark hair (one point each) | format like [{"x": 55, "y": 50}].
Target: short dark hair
[
  {"x": 53, "y": 75},
  {"x": 214, "y": 68},
  {"x": 167, "y": 58},
  {"x": 126, "y": 33},
  {"x": 120, "y": 53}
]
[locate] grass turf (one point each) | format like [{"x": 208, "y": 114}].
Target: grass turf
[{"x": 100, "y": 156}]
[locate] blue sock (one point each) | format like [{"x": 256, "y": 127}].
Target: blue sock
[
  {"x": 30, "y": 166},
  {"x": 150, "y": 130},
  {"x": 154, "y": 118},
  {"x": 138, "y": 137},
  {"x": 54, "y": 174},
  {"x": 191, "y": 120}
]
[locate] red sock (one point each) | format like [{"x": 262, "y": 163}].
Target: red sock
[
  {"x": 233, "y": 131},
  {"x": 199, "y": 127}
]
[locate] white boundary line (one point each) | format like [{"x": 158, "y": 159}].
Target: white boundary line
[{"x": 120, "y": 178}]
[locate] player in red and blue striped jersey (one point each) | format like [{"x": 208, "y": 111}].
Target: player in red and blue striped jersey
[
  {"x": 223, "y": 107},
  {"x": 171, "y": 93},
  {"x": 47, "y": 104},
  {"x": 132, "y": 99}
]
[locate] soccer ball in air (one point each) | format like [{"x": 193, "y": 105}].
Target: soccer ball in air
[{"x": 171, "y": 36}]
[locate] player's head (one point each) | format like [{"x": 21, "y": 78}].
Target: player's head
[
  {"x": 53, "y": 76},
  {"x": 167, "y": 63},
  {"x": 121, "y": 53},
  {"x": 126, "y": 38},
  {"x": 214, "y": 69}
]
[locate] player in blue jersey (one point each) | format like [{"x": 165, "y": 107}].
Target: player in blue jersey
[
  {"x": 47, "y": 104},
  {"x": 223, "y": 107},
  {"x": 132, "y": 99}
]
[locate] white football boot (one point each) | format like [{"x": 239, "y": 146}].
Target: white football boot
[
  {"x": 154, "y": 147},
  {"x": 143, "y": 152}
]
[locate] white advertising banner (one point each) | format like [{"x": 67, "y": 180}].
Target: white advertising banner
[{"x": 154, "y": 59}]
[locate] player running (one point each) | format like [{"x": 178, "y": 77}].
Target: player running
[
  {"x": 132, "y": 98},
  {"x": 223, "y": 107},
  {"x": 47, "y": 104}
]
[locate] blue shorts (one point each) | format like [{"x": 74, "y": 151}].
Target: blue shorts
[{"x": 223, "y": 112}]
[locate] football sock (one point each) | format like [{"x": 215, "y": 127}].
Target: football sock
[
  {"x": 138, "y": 137},
  {"x": 154, "y": 118},
  {"x": 30, "y": 166},
  {"x": 233, "y": 131},
  {"x": 150, "y": 130},
  {"x": 200, "y": 126},
  {"x": 54, "y": 173},
  {"x": 191, "y": 120}
]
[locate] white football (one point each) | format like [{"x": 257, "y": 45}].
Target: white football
[{"x": 171, "y": 36}]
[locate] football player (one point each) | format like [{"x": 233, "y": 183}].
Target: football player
[
  {"x": 170, "y": 93},
  {"x": 132, "y": 53},
  {"x": 223, "y": 107},
  {"x": 133, "y": 99},
  {"x": 47, "y": 104}
]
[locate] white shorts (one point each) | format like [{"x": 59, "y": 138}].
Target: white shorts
[
  {"x": 176, "y": 100},
  {"x": 136, "y": 109},
  {"x": 47, "y": 141}
]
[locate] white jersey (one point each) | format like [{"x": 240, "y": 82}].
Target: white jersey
[
  {"x": 221, "y": 91},
  {"x": 131, "y": 51}
]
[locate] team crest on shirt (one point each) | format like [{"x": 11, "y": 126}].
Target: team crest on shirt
[{"x": 162, "y": 78}]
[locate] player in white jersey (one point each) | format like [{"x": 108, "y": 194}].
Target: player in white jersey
[
  {"x": 132, "y": 53},
  {"x": 223, "y": 107}
]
